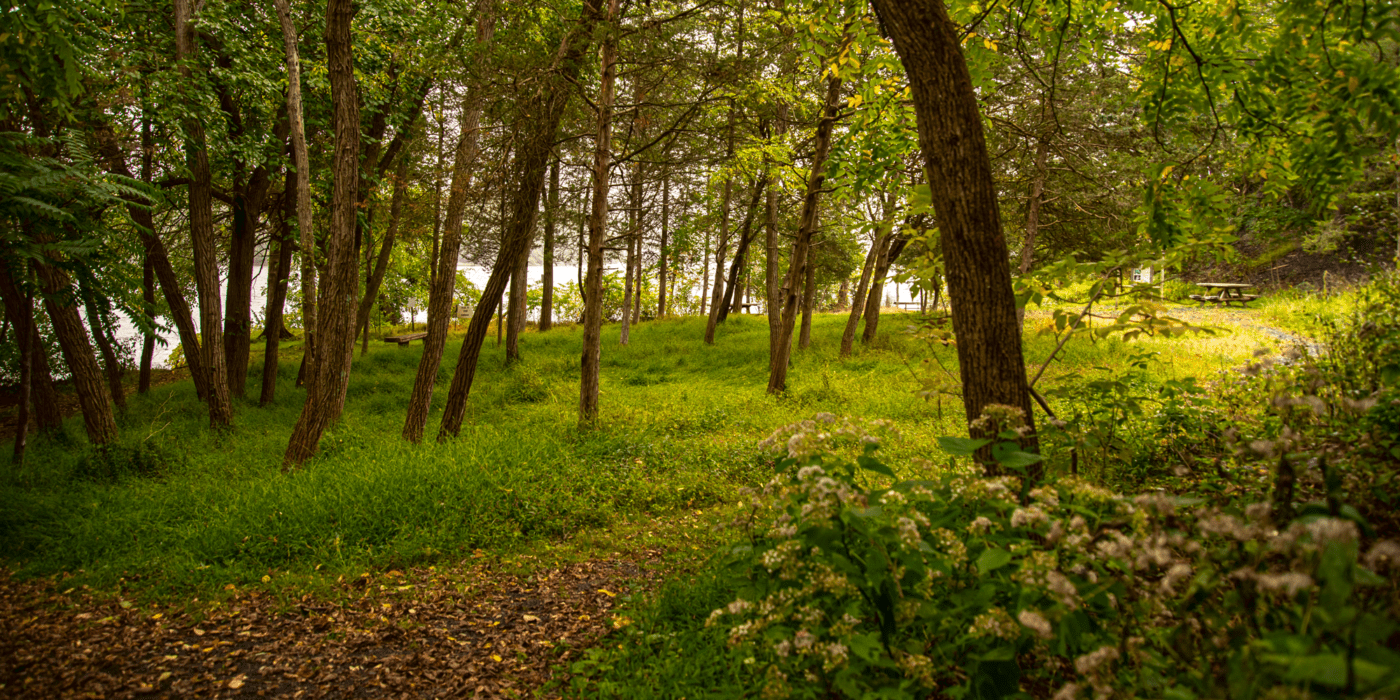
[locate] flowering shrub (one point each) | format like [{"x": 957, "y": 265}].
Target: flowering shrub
[{"x": 967, "y": 586}]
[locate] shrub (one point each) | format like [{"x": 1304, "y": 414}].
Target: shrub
[{"x": 982, "y": 588}]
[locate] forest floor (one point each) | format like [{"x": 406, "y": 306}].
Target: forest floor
[{"x": 479, "y": 567}]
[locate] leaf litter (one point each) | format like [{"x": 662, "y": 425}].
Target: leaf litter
[{"x": 473, "y": 630}]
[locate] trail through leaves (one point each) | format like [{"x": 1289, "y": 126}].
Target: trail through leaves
[{"x": 470, "y": 631}]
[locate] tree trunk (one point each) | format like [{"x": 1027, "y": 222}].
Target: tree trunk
[
  {"x": 551, "y": 211},
  {"x": 1042, "y": 151},
  {"x": 25, "y": 337},
  {"x": 381, "y": 263},
  {"x": 43, "y": 394},
  {"x": 148, "y": 341},
  {"x": 894, "y": 245},
  {"x": 547, "y": 106},
  {"x": 806, "y": 227},
  {"x": 665, "y": 234},
  {"x": 335, "y": 326},
  {"x": 809, "y": 296},
  {"x": 277, "y": 294},
  {"x": 717, "y": 291},
  {"x": 965, "y": 205},
  {"x": 248, "y": 204},
  {"x": 302, "y": 162},
  {"x": 597, "y": 228},
  {"x": 445, "y": 277},
  {"x": 206, "y": 271},
  {"x": 731, "y": 298},
  {"x": 77, "y": 352},
  {"x": 848, "y": 336},
  {"x": 519, "y": 287},
  {"x": 110, "y": 365}
]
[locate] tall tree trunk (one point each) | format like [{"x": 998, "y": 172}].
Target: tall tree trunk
[
  {"x": 302, "y": 162},
  {"x": 111, "y": 367},
  {"x": 597, "y": 227},
  {"x": 148, "y": 340},
  {"x": 238, "y": 297},
  {"x": 1042, "y": 152},
  {"x": 519, "y": 288},
  {"x": 624, "y": 335},
  {"x": 546, "y": 106},
  {"x": 279, "y": 275},
  {"x": 705, "y": 272},
  {"x": 206, "y": 271},
  {"x": 875, "y": 300},
  {"x": 551, "y": 211},
  {"x": 381, "y": 263},
  {"x": 665, "y": 253},
  {"x": 445, "y": 279},
  {"x": 335, "y": 326},
  {"x": 806, "y": 227},
  {"x": 741, "y": 252},
  {"x": 965, "y": 206},
  {"x": 809, "y": 297},
  {"x": 43, "y": 392},
  {"x": 848, "y": 335},
  {"x": 77, "y": 352},
  {"x": 25, "y": 336},
  {"x": 717, "y": 291}
]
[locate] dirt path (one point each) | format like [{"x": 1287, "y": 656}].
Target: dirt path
[{"x": 470, "y": 631}]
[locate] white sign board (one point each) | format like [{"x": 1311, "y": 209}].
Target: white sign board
[{"x": 1142, "y": 275}]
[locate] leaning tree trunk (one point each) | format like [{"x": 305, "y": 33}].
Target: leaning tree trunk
[
  {"x": 806, "y": 227},
  {"x": 381, "y": 263},
  {"x": 547, "y": 106},
  {"x": 206, "y": 271},
  {"x": 277, "y": 296},
  {"x": 335, "y": 327},
  {"x": 848, "y": 335},
  {"x": 597, "y": 230},
  {"x": 111, "y": 367},
  {"x": 741, "y": 252},
  {"x": 965, "y": 207},
  {"x": 445, "y": 274},
  {"x": 551, "y": 210},
  {"x": 302, "y": 163},
  {"x": 59, "y": 295},
  {"x": 717, "y": 292}
]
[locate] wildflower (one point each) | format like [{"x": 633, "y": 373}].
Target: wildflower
[
  {"x": 908, "y": 533},
  {"x": 1067, "y": 692},
  {"x": 1383, "y": 555},
  {"x": 917, "y": 667},
  {"x": 1174, "y": 576},
  {"x": 1029, "y": 517},
  {"x": 782, "y": 648},
  {"x": 738, "y": 606},
  {"x": 980, "y": 526},
  {"x": 1290, "y": 582},
  {"x": 1035, "y": 622},
  {"x": 1090, "y": 663},
  {"x": 803, "y": 640},
  {"x": 994, "y": 623},
  {"x": 834, "y": 655}
]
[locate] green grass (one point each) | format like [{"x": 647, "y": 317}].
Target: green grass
[{"x": 177, "y": 508}]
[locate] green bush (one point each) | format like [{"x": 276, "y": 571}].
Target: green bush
[{"x": 981, "y": 588}]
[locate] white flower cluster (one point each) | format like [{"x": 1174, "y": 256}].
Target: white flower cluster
[{"x": 822, "y": 434}]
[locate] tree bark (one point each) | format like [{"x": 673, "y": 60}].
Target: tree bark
[
  {"x": 551, "y": 211},
  {"x": 302, "y": 164},
  {"x": 806, "y": 227},
  {"x": 77, "y": 352},
  {"x": 25, "y": 336},
  {"x": 665, "y": 242},
  {"x": 894, "y": 245},
  {"x": 43, "y": 393},
  {"x": 248, "y": 203},
  {"x": 519, "y": 288},
  {"x": 1042, "y": 152},
  {"x": 597, "y": 227},
  {"x": 206, "y": 271},
  {"x": 445, "y": 276},
  {"x": 335, "y": 326},
  {"x": 809, "y": 296},
  {"x": 381, "y": 263},
  {"x": 547, "y": 106},
  {"x": 717, "y": 291},
  {"x": 731, "y": 299},
  {"x": 965, "y": 205},
  {"x": 848, "y": 336},
  {"x": 279, "y": 275},
  {"x": 148, "y": 340},
  {"x": 111, "y": 367}
]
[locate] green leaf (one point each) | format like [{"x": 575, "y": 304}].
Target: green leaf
[
  {"x": 961, "y": 447},
  {"x": 874, "y": 465},
  {"x": 992, "y": 559}
]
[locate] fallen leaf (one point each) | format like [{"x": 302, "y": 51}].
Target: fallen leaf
[
  {"x": 237, "y": 682},
  {"x": 531, "y": 618}
]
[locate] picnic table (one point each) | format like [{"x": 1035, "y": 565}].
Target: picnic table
[
  {"x": 1227, "y": 293},
  {"x": 405, "y": 339}
]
